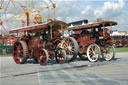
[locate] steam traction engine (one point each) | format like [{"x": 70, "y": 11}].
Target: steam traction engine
[
  {"x": 40, "y": 42},
  {"x": 94, "y": 39},
  {"x": 86, "y": 42},
  {"x": 104, "y": 39}
]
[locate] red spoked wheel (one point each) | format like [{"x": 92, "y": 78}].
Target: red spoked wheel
[
  {"x": 20, "y": 52},
  {"x": 42, "y": 57},
  {"x": 60, "y": 56}
]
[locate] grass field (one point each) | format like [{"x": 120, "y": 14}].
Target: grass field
[
  {"x": 122, "y": 49},
  {"x": 5, "y": 55}
]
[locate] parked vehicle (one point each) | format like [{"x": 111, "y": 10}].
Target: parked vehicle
[
  {"x": 40, "y": 42},
  {"x": 104, "y": 39},
  {"x": 94, "y": 39},
  {"x": 83, "y": 34},
  {"x": 116, "y": 40},
  {"x": 124, "y": 41}
]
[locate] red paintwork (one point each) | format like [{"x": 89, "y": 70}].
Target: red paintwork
[
  {"x": 34, "y": 42},
  {"x": 85, "y": 40},
  {"x": 51, "y": 54},
  {"x": 38, "y": 42},
  {"x": 78, "y": 32}
]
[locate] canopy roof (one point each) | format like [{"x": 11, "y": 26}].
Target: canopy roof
[
  {"x": 108, "y": 23},
  {"x": 90, "y": 26},
  {"x": 55, "y": 25}
]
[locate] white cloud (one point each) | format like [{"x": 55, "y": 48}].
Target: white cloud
[
  {"x": 67, "y": 9},
  {"x": 123, "y": 23},
  {"x": 71, "y": 19},
  {"x": 124, "y": 20},
  {"x": 110, "y": 10},
  {"x": 88, "y": 12},
  {"x": 59, "y": 18}
]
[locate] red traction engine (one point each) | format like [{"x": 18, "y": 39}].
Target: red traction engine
[
  {"x": 40, "y": 42},
  {"x": 104, "y": 39},
  {"x": 86, "y": 42}
]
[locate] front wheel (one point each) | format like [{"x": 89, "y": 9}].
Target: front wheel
[
  {"x": 42, "y": 57},
  {"x": 108, "y": 53},
  {"x": 93, "y": 53},
  {"x": 60, "y": 56}
]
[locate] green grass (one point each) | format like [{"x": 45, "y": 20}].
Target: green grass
[
  {"x": 122, "y": 49},
  {"x": 5, "y": 55}
]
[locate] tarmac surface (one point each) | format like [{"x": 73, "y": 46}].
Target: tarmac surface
[{"x": 79, "y": 72}]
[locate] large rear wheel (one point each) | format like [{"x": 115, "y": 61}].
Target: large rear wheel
[
  {"x": 93, "y": 53},
  {"x": 20, "y": 52},
  {"x": 108, "y": 53},
  {"x": 42, "y": 57},
  {"x": 70, "y": 45}
]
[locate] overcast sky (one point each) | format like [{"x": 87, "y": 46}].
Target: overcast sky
[{"x": 73, "y": 10}]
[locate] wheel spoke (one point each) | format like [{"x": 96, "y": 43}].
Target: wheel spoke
[
  {"x": 42, "y": 58},
  {"x": 20, "y": 58},
  {"x": 65, "y": 45},
  {"x": 93, "y": 53},
  {"x": 19, "y": 47},
  {"x": 15, "y": 45}
]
